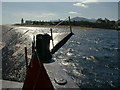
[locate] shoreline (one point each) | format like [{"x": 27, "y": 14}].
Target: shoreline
[{"x": 60, "y": 26}]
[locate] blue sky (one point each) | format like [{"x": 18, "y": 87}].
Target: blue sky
[{"x": 12, "y": 12}]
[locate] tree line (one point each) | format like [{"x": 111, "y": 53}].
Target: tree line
[{"x": 99, "y": 23}]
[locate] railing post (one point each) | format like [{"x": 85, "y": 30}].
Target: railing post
[
  {"x": 26, "y": 59},
  {"x": 52, "y": 37},
  {"x": 70, "y": 24}
]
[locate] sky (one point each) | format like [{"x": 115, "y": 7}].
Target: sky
[
  {"x": 60, "y": 0},
  {"x": 12, "y": 12}
]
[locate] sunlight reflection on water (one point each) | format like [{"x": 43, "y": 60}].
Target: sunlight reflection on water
[{"x": 89, "y": 57}]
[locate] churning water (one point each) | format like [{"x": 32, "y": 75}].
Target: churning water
[{"x": 90, "y": 57}]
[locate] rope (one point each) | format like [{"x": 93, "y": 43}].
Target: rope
[{"x": 60, "y": 23}]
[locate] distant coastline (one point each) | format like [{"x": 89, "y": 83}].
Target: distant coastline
[
  {"x": 60, "y": 26},
  {"x": 52, "y": 26},
  {"x": 75, "y": 22}
]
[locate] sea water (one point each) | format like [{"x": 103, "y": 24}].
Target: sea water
[{"x": 90, "y": 57}]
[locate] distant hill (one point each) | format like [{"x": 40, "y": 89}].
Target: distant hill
[
  {"x": 77, "y": 19},
  {"x": 82, "y": 19}
]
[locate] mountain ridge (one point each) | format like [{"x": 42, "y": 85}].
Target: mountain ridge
[
  {"x": 77, "y": 19},
  {"x": 82, "y": 19}
]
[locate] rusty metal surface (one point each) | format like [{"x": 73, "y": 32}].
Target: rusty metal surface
[{"x": 37, "y": 76}]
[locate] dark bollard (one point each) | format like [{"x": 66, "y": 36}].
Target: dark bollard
[{"x": 42, "y": 47}]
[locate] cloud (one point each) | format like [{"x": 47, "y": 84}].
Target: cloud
[
  {"x": 80, "y": 4},
  {"x": 45, "y": 15},
  {"x": 85, "y": 1},
  {"x": 72, "y": 12}
]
